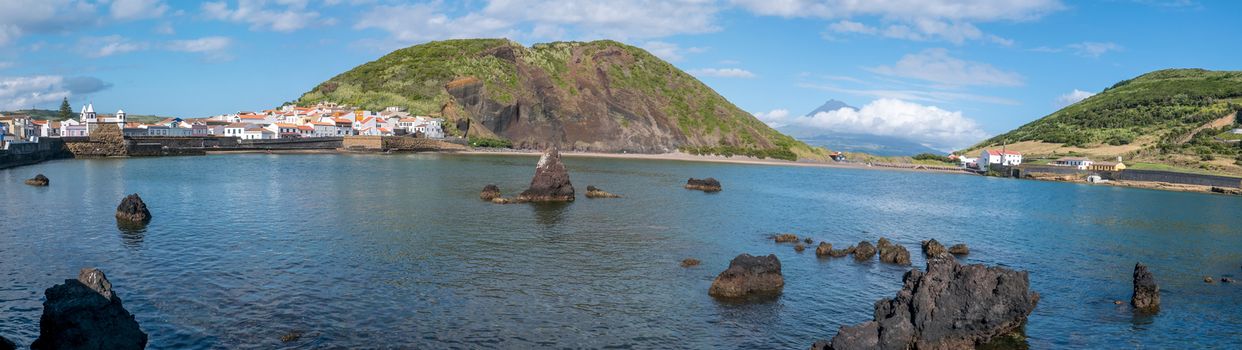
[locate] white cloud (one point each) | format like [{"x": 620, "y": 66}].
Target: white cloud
[
  {"x": 723, "y": 73},
  {"x": 669, "y": 51},
  {"x": 937, "y": 66},
  {"x": 96, "y": 47},
  {"x": 920, "y": 20},
  {"x": 26, "y": 92},
  {"x": 1094, "y": 49},
  {"x": 165, "y": 28},
  {"x": 287, "y": 16},
  {"x": 213, "y": 47},
  {"x": 543, "y": 19},
  {"x": 137, "y": 9},
  {"x": 1073, "y": 97},
  {"x": 19, "y": 18},
  {"x": 929, "y": 125}
]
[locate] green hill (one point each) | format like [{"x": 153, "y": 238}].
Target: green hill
[
  {"x": 600, "y": 96},
  {"x": 1174, "y": 117},
  {"x": 54, "y": 115}
]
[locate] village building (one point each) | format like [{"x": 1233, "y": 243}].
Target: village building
[
  {"x": 990, "y": 157},
  {"x": 284, "y": 130},
  {"x": 1107, "y": 166},
  {"x": 237, "y": 130},
  {"x": 257, "y": 133},
  {"x": 1081, "y": 163}
]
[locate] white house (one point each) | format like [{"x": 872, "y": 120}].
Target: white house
[
  {"x": 967, "y": 161},
  {"x": 236, "y": 129},
  {"x": 1236, "y": 131},
  {"x": 1006, "y": 158},
  {"x": 258, "y": 133},
  {"x": 1077, "y": 162},
  {"x": 283, "y": 130}
]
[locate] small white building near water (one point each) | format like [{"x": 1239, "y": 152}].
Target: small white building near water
[
  {"x": 1006, "y": 158},
  {"x": 1078, "y": 162}
]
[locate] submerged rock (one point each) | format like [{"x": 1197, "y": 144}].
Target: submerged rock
[
  {"x": 950, "y": 306},
  {"x": 799, "y": 247},
  {"x": 823, "y": 249},
  {"x": 85, "y": 314},
  {"x": 133, "y": 209},
  {"x": 1146, "y": 292},
  {"x": 689, "y": 262},
  {"x": 933, "y": 249},
  {"x": 38, "y": 180},
  {"x": 785, "y": 238},
  {"x": 1226, "y": 280},
  {"x": 501, "y": 200},
  {"x": 893, "y": 253},
  {"x": 595, "y": 192},
  {"x": 808, "y": 240},
  {"x": 705, "y": 185},
  {"x": 749, "y": 276},
  {"x": 1207, "y": 279},
  {"x": 551, "y": 181},
  {"x": 292, "y": 336},
  {"x": 490, "y": 192},
  {"x": 959, "y": 249},
  {"x": 864, "y": 251}
]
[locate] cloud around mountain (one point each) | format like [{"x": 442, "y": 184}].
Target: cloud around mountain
[{"x": 929, "y": 125}]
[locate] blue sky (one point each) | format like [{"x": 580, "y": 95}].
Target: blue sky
[{"x": 945, "y": 73}]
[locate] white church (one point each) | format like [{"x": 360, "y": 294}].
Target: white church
[{"x": 91, "y": 120}]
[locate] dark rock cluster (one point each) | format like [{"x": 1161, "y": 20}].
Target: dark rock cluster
[
  {"x": 1146, "y": 296},
  {"x": 551, "y": 181},
  {"x": 596, "y": 192},
  {"x": 893, "y": 253},
  {"x": 933, "y": 249},
  {"x": 490, "y": 192},
  {"x": 749, "y": 276},
  {"x": 38, "y": 180},
  {"x": 705, "y": 185},
  {"x": 950, "y": 306},
  {"x": 864, "y": 251},
  {"x": 133, "y": 210},
  {"x": 84, "y": 313}
]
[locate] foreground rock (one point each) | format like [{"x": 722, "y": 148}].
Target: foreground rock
[
  {"x": 132, "y": 209},
  {"x": 38, "y": 180},
  {"x": 6, "y": 344},
  {"x": 959, "y": 249},
  {"x": 749, "y": 276},
  {"x": 950, "y": 306},
  {"x": 893, "y": 253},
  {"x": 864, "y": 251},
  {"x": 595, "y": 192},
  {"x": 705, "y": 185},
  {"x": 489, "y": 192},
  {"x": 551, "y": 181},
  {"x": 1146, "y": 292},
  {"x": 933, "y": 249},
  {"x": 84, "y": 314}
]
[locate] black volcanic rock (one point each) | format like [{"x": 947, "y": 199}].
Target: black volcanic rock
[
  {"x": 705, "y": 185},
  {"x": 1146, "y": 292},
  {"x": 551, "y": 181},
  {"x": 6, "y": 344},
  {"x": 596, "y": 192},
  {"x": 38, "y": 180},
  {"x": 893, "y": 253},
  {"x": 133, "y": 209},
  {"x": 85, "y": 314},
  {"x": 959, "y": 249},
  {"x": 823, "y": 249},
  {"x": 489, "y": 192},
  {"x": 864, "y": 251},
  {"x": 749, "y": 275},
  {"x": 933, "y": 249},
  {"x": 951, "y": 306}
]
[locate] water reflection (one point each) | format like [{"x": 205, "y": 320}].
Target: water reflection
[
  {"x": 131, "y": 233},
  {"x": 549, "y": 214}
]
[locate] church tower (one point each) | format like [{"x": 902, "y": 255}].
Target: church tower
[
  {"x": 120, "y": 117},
  {"x": 88, "y": 113}
]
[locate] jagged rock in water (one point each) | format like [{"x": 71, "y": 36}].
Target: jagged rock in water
[
  {"x": 749, "y": 276},
  {"x": 133, "y": 209},
  {"x": 1146, "y": 292},
  {"x": 595, "y": 192},
  {"x": 959, "y": 249},
  {"x": 799, "y": 247},
  {"x": 864, "y": 250},
  {"x": 489, "y": 192},
  {"x": 933, "y": 249},
  {"x": 37, "y": 180},
  {"x": 6, "y": 344},
  {"x": 85, "y": 314},
  {"x": 705, "y": 185},
  {"x": 837, "y": 253},
  {"x": 785, "y": 238},
  {"x": 893, "y": 253},
  {"x": 823, "y": 249},
  {"x": 808, "y": 240},
  {"x": 551, "y": 181},
  {"x": 950, "y": 306},
  {"x": 689, "y": 262}
]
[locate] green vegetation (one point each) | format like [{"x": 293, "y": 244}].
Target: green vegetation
[
  {"x": 635, "y": 81},
  {"x": 489, "y": 142},
  {"x": 932, "y": 157},
  {"x": 55, "y": 115},
  {"x": 66, "y": 112}
]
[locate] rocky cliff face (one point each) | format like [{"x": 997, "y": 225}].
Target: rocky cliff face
[
  {"x": 84, "y": 313},
  {"x": 597, "y": 96}
]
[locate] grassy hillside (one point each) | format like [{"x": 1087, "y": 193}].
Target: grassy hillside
[
  {"x": 1175, "y": 117},
  {"x": 48, "y": 114},
  {"x": 600, "y": 95}
]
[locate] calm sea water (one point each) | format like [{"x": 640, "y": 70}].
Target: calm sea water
[{"x": 398, "y": 251}]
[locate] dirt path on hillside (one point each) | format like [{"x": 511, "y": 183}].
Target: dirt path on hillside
[{"x": 1218, "y": 123}]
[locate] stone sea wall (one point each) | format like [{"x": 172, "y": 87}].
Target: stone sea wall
[
  {"x": 399, "y": 143},
  {"x": 1135, "y": 175},
  {"x": 30, "y": 153}
]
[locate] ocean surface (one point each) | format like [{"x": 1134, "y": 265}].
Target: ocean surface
[{"x": 397, "y": 251}]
